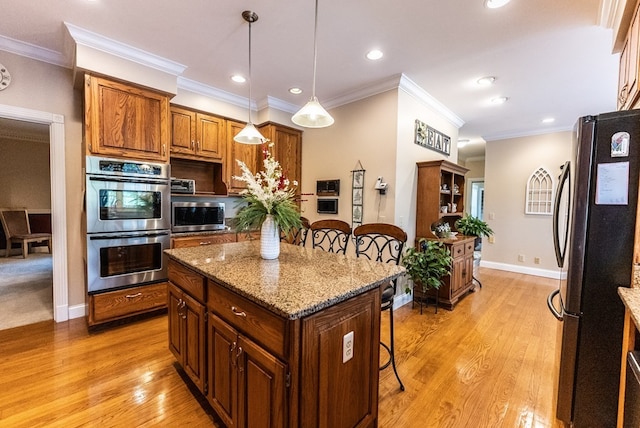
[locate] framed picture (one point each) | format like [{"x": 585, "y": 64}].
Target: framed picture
[{"x": 357, "y": 196}]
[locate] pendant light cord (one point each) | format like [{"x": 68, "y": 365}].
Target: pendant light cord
[
  {"x": 250, "y": 121},
  {"x": 315, "y": 52}
]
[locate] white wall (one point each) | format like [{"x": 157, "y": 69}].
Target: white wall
[{"x": 509, "y": 163}]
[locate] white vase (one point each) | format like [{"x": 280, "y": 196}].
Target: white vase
[{"x": 269, "y": 239}]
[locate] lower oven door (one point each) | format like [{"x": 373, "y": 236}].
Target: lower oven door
[{"x": 118, "y": 260}]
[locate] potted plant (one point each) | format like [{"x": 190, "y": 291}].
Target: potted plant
[
  {"x": 270, "y": 203},
  {"x": 426, "y": 265},
  {"x": 473, "y": 226}
]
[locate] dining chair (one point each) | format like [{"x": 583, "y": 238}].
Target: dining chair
[
  {"x": 330, "y": 235},
  {"x": 384, "y": 243},
  {"x": 297, "y": 236},
  {"x": 15, "y": 223}
]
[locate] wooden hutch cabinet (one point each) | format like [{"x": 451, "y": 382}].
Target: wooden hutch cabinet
[
  {"x": 197, "y": 135},
  {"x": 126, "y": 121},
  {"x": 440, "y": 186}
]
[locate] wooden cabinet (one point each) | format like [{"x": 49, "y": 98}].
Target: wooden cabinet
[
  {"x": 287, "y": 149},
  {"x": 456, "y": 285},
  {"x": 203, "y": 240},
  {"x": 243, "y": 378},
  {"x": 186, "y": 334},
  {"x": 247, "y": 153},
  {"x": 440, "y": 186},
  {"x": 123, "y": 120},
  {"x": 114, "y": 305},
  {"x": 628, "y": 72},
  {"x": 197, "y": 135}
]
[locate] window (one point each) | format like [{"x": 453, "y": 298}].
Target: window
[{"x": 539, "y": 198}]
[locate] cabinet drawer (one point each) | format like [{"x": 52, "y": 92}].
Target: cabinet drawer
[
  {"x": 123, "y": 303},
  {"x": 202, "y": 240},
  {"x": 190, "y": 282},
  {"x": 457, "y": 250},
  {"x": 247, "y": 317},
  {"x": 469, "y": 246}
]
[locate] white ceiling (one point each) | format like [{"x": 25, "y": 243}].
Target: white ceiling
[{"x": 550, "y": 57}]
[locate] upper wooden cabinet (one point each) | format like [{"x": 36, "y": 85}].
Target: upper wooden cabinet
[
  {"x": 247, "y": 153},
  {"x": 197, "y": 135},
  {"x": 287, "y": 149},
  {"x": 628, "y": 73},
  {"x": 123, "y": 120},
  {"x": 440, "y": 185}
]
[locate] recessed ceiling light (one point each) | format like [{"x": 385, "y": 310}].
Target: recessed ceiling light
[
  {"x": 486, "y": 81},
  {"x": 374, "y": 54},
  {"x": 494, "y": 4},
  {"x": 548, "y": 120},
  {"x": 499, "y": 100},
  {"x": 238, "y": 78},
  {"x": 295, "y": 91}
]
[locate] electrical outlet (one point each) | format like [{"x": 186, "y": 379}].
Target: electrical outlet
[
  {"x": 492, "y": 216},
  {"x": 347, "y": 347},
  {"x": 401, "y": 222},
  {"x": 520, "y": 257},
  {"x": 536, "y": 260},
  {"x": 492, "y": 239}
]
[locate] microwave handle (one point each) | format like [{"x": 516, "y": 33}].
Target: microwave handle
[
  {"x": 127, "y": 180},
  {"x": 127, "y": 235}
]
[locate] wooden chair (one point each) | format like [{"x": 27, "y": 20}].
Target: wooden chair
[
  {"x": 383, "y": 243},
  {"x": 297, "y": 236},
  {"x": 15, "y": 223},
  {"x": 331, "y": 235}
]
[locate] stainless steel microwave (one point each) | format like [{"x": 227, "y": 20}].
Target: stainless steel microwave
[{"x": 197, "y": 216}]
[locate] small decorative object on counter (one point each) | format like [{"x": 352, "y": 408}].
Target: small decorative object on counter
[
  {"x": 270, "y": 203},
  {"x": 441, "y": 230}
]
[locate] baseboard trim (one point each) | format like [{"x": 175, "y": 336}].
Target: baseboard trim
[
  {"x": 546, "y": 273},
  {"x": 78, "y": 311},
  {"x": 402, "y": 299}
]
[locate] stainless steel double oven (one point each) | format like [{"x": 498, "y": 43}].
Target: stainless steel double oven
[{"x": 128, "y": 221}]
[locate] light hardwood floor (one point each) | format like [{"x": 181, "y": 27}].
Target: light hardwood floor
[{"x": 488, "y": 363}]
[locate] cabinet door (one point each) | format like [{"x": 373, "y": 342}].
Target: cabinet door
[
  {"x": 287, "y": 149},
  {"x": 468, "y": 271},
  {"x": 193, "y": 318},
  {"x": 174, "y": 303},
  {"x": 223, "y": 378},
  {"x": 183, "y": 131},
  {"x": 210, "y": 142},
  {"x": 262, "y": 389},
  {"x": 457, "y": 275},
  {"x": 247, "y": 153},
  {"x": 125, "y": 121}
]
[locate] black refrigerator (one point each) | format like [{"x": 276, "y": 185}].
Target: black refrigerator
[{"x": 594, "y": 227}]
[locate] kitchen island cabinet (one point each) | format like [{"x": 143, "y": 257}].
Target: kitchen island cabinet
[
  {"x": 277, "y": 332},
  {"x": 631, "y": 299}
]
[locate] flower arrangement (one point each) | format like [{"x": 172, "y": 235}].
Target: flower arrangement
[
  {"x": 267, "y": 193},
  {"x": 442, "y": 230}
]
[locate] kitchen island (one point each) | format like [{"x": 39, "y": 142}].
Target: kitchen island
[{"x": 277, "y": 343}]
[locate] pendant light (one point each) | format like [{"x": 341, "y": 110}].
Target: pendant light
[
  {"x": 249, "y": 134},
  {"x": 313, "y": 115}
]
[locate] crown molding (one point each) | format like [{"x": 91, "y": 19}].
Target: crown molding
[
  {"x": 411, "y": 88},
  {"x": 529, "y": 133},
  {"x": 96, "y": 41},
  {"x": 215, "y": 93},
  {"x": 34, "y": 52}
]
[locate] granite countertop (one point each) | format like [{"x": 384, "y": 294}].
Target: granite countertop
[
  {"x": 300, "y": 282},
  {"x": 631, "y": 299}
]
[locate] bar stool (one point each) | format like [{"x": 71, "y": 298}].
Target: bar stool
[
  {"x": 297, "y": 236},
  {"x": 331, "y": 235},
  {"x": 383, "y": 243}
]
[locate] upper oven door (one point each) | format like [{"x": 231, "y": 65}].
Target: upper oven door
[{"x": 116, "y": 204}]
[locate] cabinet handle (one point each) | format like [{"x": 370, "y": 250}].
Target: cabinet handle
[
  {"x": 133, "y": 296},
  {"x": 240, "y": 366},
  {"x": 205, "y": 242},
  {"x": 231, "y": 349},
  {"x": 164, "y": 149},
  {"x": 198, "y": 145},
  {"x": 237, "y": 312},
  {"x": 193, "y": 144}
]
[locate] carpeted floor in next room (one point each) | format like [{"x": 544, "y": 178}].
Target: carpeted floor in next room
[{"x": 26, "y": 290}]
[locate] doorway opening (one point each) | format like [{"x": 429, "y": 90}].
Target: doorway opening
[
  {"x": 477, "y": 199},
  {"x": 58, "y": 200}
]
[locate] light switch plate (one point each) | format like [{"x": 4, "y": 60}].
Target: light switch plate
[{"x": 347, "y": 347}]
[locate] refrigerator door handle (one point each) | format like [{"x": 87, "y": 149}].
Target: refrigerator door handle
[
  {"x": 552, "y": 308},
  {"x": 563, "y": 183}
]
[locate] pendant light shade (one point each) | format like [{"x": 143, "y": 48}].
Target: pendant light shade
[
  {"x": 249, "y": 134},
  {"x": 312, "y": 114}
]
